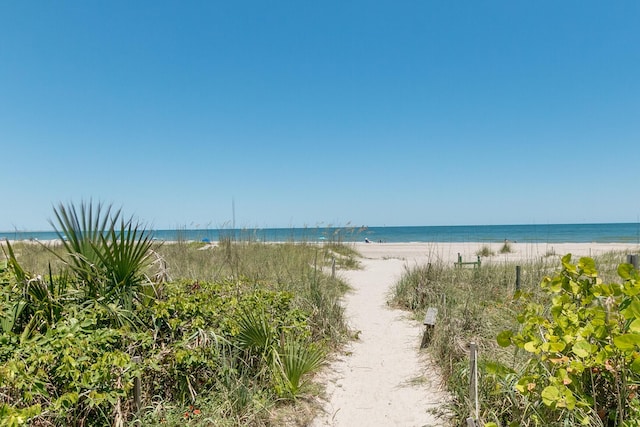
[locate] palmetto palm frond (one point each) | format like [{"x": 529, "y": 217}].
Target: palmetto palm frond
[
  {"x": 80, "y": 233},
  {"x": 295, "y": 360},
  {"x": 256, "y": 333},
  {"x": 124, "y": 253},
  {"x": 107, "y": 253}
]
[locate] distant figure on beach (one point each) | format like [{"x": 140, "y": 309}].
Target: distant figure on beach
[{"x": 366, "y": 240}]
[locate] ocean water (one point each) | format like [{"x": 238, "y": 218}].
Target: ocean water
[{"x": 532, "y": 233}]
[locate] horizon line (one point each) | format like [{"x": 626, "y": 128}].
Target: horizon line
[{"x": 329, "y": 226}]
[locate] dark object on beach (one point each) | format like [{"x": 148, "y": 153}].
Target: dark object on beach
[{"x": 366, "y": 240}]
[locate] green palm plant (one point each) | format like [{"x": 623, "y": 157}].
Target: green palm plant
[
  {"x": 295, "y": 360},
  {"x": 257, "y": 340},
  {"x": 11, "y": 316},
  {"x": 35, "y": 302},
  {"x": 107, "y": 253},
  {"x": 80, "y": 233},
  {"x": 257, "y": 335},
  {"x": 285, "y": 361},
  {"x": 124, "y": 255}
]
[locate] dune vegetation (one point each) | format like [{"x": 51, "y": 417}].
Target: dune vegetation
[
  {"x": 562, "y": 350},
  {"x": 110, "y": 327}
]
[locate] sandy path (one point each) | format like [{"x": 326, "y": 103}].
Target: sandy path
[{"x": 382, "y": 379}]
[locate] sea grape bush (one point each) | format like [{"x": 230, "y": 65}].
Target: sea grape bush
[
  {"x": 79, "y": 370},
  {"x": 201, "y": 322},
  {"x": 68, "y": 338},
  {"x": 72, "y": 374},
  {"x": 583, "y": 347}
]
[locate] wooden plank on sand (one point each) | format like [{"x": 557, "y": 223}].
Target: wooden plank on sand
[{"x": 430, "y": 317}]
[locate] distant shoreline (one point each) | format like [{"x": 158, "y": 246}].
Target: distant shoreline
[{"x": 627, "y": 233}]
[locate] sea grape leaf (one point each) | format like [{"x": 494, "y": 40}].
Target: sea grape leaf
[
  {"x": 556, "y": 347},
  {"x": 626, "y": 341},
  {"x": 569, "y": 400},
  {"x": 574, "y": 286},
  {"x": 531, "y": 347},
  {"x": 632, "y": 311},
  {"x": 581, "y": 349},
  {"x": 625, "y": 271},
  {"x": 550, "y": 395},
  {"x": 554, "y": 285},
  {"x": 504, "y": 338},
  {"x": 588, "y": 267},
  {"x": 576, "y": 366},
  {"x": 631, "y": 288},
  {"x": 635, "y": 326}
]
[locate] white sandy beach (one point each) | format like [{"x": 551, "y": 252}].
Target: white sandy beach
[
  {"x": 384, "y": 378},
  {"x": 448, "y": 252}
]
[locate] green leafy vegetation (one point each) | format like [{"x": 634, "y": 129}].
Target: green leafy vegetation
[
  {"x": 562, "y": 351},
  {"x": 225, "y": 335},
  {"x": 584, "y": 364}
]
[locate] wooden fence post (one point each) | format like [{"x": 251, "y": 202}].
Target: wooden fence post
[
  {"x": 333, "y": 268},
  {"x": 517, "y": 278},
  {"x": 633, "y": 259},
  {"x": 137, "y": 387},
  {"x": 473, "y": 380}
]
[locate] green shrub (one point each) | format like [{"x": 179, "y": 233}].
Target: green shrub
[
  {"x": 584, "y": 361},
  {"x": 477, "y": 305},
  {"x": 72, "y": 372},
  {"x": 69, "y": 335}
]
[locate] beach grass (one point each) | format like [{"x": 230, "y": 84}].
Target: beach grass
[
  {"x": 475, "y": 305},
  {"x": 304, "y": 269},
  {"x": 485, "y": 251},
  {"x": 292, "y": 281},
  {"x": 506, "y": 248}
]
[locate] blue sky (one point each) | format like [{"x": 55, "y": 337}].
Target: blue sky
[{"x": 313, "y": 113}]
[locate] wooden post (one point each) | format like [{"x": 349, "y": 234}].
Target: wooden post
[
  {"x": 633, "y": 259},
  {"x": 473, "y": 379},
  {"x": 333, "y": 268},
  {"x": 137, "y": 388},
  {"x": 429, "y": 323},
  {"x": 517, "y": 278}
]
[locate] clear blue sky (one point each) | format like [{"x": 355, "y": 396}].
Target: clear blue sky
[{"x": 311, "y": 113}]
